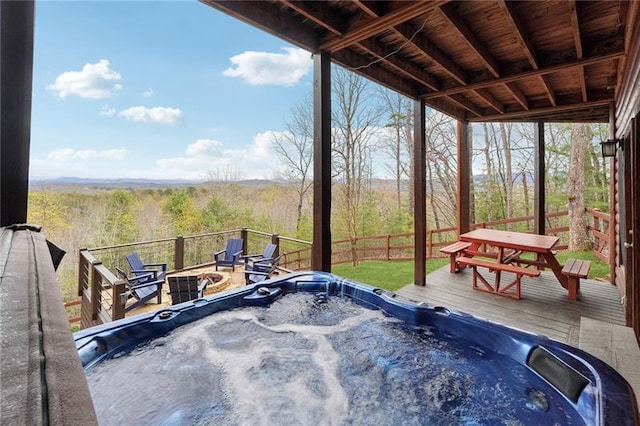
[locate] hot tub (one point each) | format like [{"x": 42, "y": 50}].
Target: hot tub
[{"x": 313, "y": 348}]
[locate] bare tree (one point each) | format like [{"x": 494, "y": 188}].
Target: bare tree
[
  {"x": 356, "y": 118},
  {"x": 225, "y": 173},
  {"x": 580, "y": 141},
  {"x": 295, "y": 152},
  {"x": 396, "y": 142}
]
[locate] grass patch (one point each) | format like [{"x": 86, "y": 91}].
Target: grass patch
[{"x": 389, "y": 275}]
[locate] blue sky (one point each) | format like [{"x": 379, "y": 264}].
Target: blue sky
[{"x": 157, "y": 90}]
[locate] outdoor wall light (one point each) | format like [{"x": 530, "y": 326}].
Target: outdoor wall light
[{"x": 609, "y": 147}]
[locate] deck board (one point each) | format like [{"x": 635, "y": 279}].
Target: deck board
[{"x": 544, "y": 308}]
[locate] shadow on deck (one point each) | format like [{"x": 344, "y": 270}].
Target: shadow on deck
[{"x": 544, "y": 308}]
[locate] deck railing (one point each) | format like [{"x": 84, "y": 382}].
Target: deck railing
[{"x": 99, "y": 288}]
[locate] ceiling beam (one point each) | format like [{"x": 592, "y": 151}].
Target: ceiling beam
[
  {"x": 493, "y": 102},
  {"x": 375, "y": 26},
  {"x": 428, "y": 48},
  {"x": 448, "y": 12},
  {"x": 261, "y": 15},
  {"x": 548, "y": 89},
  {"x": 517, "y": 94},
  {"x": 318, "y": 14},
  {"x": 527, "y": 74},
  {"x": 519, "y": 31},
  {"x": 466, "y": 104},
  {"x": 382, "y": 53},
  {"x": 577, "y": 41},
  {"x": 530, "y": 114},
  {"x": 352, "y": 61},
  {"x": 409, "y": 69}
]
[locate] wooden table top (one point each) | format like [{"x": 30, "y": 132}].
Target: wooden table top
[{"x": 513, "y": 240}]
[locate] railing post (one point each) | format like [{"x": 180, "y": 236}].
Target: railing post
[
  {"x": 430, "y": 244},
  {"x": 275, "y": 239},
  {"x": 178, "y": 256},
  {"x": 117, "y": 307},
  {"x": 388, "y": 247},
  {"x": 244, "y": 235},
  {"x": 83, "y": 268},
  {"x": 96, "y": 291}
]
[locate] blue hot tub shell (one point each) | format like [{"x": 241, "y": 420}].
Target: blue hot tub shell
[{"x": 596, "y": 392}]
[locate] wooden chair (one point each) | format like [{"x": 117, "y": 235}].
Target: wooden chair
[
  {"x": 254, "y": 276},
  {"x": 139, "y": 268},
  {"x": 231, "y": 255},
  {"x": 260, "y": 262},
  {"x": 185, "y": 288},
  {"x": 142, "y": 288}
]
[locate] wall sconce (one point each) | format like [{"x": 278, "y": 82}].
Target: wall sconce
[{"x": 610, "y": 147}]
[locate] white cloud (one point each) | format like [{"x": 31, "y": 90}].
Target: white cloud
[
  {"x": 204, "y": 147},
  {"x": 262, "y": 68},
  {"x": 68, "y": 154},
  {"x": 255, "y": 161},
  {"x": 159, "y": 115},
  {"x": 95, "y": 81},
  {"x": 107, "y": 111},
  {"x": 148, "y": 93}
]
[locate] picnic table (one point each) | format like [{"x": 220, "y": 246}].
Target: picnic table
[{"x": 508, "y": 248}]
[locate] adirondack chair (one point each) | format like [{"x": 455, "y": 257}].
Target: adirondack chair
[
  {"x": 142, "y": 288},
  {"x": 139, "y": 268},
  {"x": 253, "y": 276},
  {"x": 231, "y": 255},
  {"x": 260, "y": 262},
  {"x": 185, "y": 288}
]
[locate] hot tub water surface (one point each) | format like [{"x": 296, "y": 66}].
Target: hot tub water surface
[{"x": 319, "y": 350}]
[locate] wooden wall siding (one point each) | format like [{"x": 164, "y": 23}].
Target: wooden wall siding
[
  {"x": 544, "y": 60},
  {"x": 628, "y": 101}
]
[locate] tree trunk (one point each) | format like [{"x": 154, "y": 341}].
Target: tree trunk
[
  {"x": 580, "y": 140},
  {"x": 506, "y": 146}
]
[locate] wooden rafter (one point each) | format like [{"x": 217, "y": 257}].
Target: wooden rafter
[
  {"x": 527, "y": 74},
  {"x": 428, "y": 48},
  {"x": 519, "y": 31},
  {"x": 577, "y": 41},
  {"x": 463, "y": 30},
  {"x": 531, "y": 113},
  {"x": 374, "y": 26},
  {"x": 382, "y": 53},
  {"x": 466, "y": 104},
  {"x": 548, "y": 89},
  {"x": 409, "y": 69},
  {"x": 493, "y": 102},
  {"x": 517, "y": 94}
]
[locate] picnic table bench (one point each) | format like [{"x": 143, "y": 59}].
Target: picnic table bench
[
  {"x": 574, "y": 270},
  {"x": 498, "y": 268}
]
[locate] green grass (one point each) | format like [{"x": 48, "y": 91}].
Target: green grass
[{"x": 393, "y": 275}]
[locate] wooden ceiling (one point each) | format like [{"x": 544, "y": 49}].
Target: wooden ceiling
[{"x": 483, "y": 60}]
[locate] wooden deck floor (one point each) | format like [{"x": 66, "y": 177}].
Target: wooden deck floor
[{"x": 544, "y": 307}]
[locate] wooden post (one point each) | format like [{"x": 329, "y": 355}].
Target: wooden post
[
  {"x": 96, "y": 291},
  {"x": 539, "y": 209},
  {"x": 321, "y": 249},
  {"x": 464, "y": 173},
  {"x": 420, "y": 191},
  {"x": 178, "y": 254},
  {"x": 244, "y": 235},
  {"x": 16, "y": 70},
  {"x": 613, "y": 206},
  {"x": 275, "y": 239},
  {"x": 117, "y": 308}
]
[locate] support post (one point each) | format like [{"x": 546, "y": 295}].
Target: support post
[
  {"x": 321, "y": 249},
  {"x": 464, "y": 173},
  {"x": 178, "y": 253},
  {"x": 539, "y": 186},
  {"x": 613, "y": 207},
  {"x": 16, "y": 69},
  {"x": 420, "y": 192}
]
